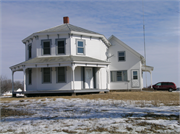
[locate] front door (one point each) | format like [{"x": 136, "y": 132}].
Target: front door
[
  {"x": 88, "y": 78},
  {"x": 135, "y": 78}
]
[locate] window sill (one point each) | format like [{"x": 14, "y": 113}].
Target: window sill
[
  {"x": 61, "y": 54},
  {"x": 45, "y": 54},
  {"x": 118, "y": 81},
  {"x": 47, "y": 83},
  {"x": 80, "y": 54},
  {"x": 60, "y": 82},
  {"x": 122, "y": 61}
]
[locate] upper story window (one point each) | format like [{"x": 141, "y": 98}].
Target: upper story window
[
  {"x": 29, "y": 51},
  {"x": 30, "y": 76},
  {"x": 80, "y": 46},
  {"x": 46, "y": 47},
  {"x": 121, "y": 56},
  {"x": 61, "y": 47}
]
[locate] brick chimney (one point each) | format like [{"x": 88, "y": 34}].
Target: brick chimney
[{"x": 66, "y": 19}]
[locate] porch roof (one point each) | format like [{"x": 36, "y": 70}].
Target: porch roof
[
  {"x": 147, "y": 68},
  {"x": 61, "y": 59}
]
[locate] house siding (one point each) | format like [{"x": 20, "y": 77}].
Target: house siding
[
  {"x": 94, "y": 47},
  {"x": 77, "y": 82},
  {"x": 37, "y": 47},
  {"x": 37, "y": 84},
  {"x": 131, "y": 62}
]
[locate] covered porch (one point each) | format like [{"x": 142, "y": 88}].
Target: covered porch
[
  {"x": 148, "y": 69},
  {"x": 83, "y": 75}
]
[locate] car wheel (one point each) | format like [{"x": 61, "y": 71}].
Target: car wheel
[{"x": 170, "y": 90}]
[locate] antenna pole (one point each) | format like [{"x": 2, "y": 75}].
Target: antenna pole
[{"x": 144, "y": 41}]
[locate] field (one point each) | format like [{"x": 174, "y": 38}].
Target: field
[{"x": 114, "y": 112}]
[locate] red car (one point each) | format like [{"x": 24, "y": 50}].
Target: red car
[{"x": 170, "y": 86}]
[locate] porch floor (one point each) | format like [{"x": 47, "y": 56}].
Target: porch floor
[{"x": 63, "y": 91}]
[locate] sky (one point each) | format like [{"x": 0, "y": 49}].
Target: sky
[{"x": 121, "y": 18}]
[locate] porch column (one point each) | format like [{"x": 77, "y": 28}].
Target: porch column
[
  {"x": 151, "y": 78},
  {"x": 24, "y": 71},
  {"x": 72, "y": 83},
  {"x": 100, "y": 78},
  {"x": 107, "y": 85},
  {"x": 13, "y": 95}
]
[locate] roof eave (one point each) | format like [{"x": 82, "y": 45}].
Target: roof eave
[
  {"x": 84, "y": 62},
  {"x": 93, "y": 35},
  {"x": 64, "y": 62},
  {"x": 127, "y": 47},
  {"x": 38, "y": 34}
]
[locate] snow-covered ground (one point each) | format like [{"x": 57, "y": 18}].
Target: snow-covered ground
[{"x": 90, "y": 116}]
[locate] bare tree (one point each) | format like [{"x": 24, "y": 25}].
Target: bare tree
[
  {"x": 6, "y": 84},
  {"x": 19, "y": 84}
]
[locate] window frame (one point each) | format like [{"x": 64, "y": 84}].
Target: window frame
[
  {"x": 135, "y": 75},
  {"x": 121, "y": 75},
  {"x": 65, "y": 75},
  {"x": 29, "y": 76},
  {"x": 42, "y": 45},
  {"x": 84, "y": 46},
  {"x": 29, "y": 45},
  {"x": 121, "y": 56},
  {"x": 56, "y": 42},
  {"x": 42, "y": 70}
]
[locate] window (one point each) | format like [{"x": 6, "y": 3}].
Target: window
[
  {"x": 80, "y": 47},
  {"x": 118, "y": 76},
  {"x": 121, "y": 56},
  {"x": 163, "y": 84},
  {"x": 61, "y": 74},
  {"x": 135, "y": 75},
  {"x": 46, "y": 47},
  {"x": 159, "y": 84},
  {"x": 30, "y": 76},
  {"x": 60, "y": 43},
  {"x": 46, "y": 75},
  {"x": 170, "y": 84},
  {"x": 29, "y": 51}
]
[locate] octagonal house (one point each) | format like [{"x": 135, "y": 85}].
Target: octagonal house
[{"x": 70, "y": 59}]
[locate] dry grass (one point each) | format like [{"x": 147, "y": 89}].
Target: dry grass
[
  {"x": 162, "y": 117},
  {"x": 153, "y": 127},
  {"x": 167, "y": 98},
  {"x": 13, "y": 112}
]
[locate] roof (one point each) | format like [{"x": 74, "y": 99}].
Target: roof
[
  {"x": 60, "y": 59},
  {"x": 67, "y": 28},
  {"x": 128, "y": 47}
]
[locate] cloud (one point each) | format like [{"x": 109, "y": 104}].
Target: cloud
[{"x": 122, "y": 18}]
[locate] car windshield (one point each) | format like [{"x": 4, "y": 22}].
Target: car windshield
[{"x": 158, "y": 84}]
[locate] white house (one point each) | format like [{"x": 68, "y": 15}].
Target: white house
[{"x": 70, "y": 59}]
